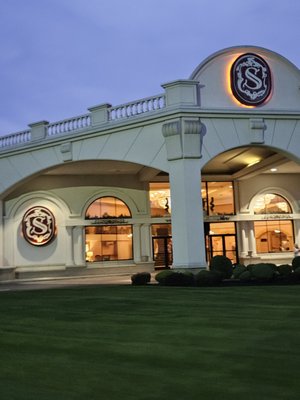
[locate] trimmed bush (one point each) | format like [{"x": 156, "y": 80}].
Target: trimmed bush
[
  {"x": 296, "y": 274},
  {"x": 245, "y": 276},
  {"x": 174, "y": 278},
  {"x": 208, "y": 278},
  {"x": 222, "y": 264},
  {"x": 141, "y": 278},
  {"x": 263, "y": 272},
  {"x": 296, "y": 263},
  {"x": 161, "y": 276},
  {"x": 238, "y": 270},
  {"x": 285, "y": 270}
]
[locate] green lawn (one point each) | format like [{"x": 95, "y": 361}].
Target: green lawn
[{"x": 125, "y": 342}]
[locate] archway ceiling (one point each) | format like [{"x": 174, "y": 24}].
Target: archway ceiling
[
  {"x": 246, "y": 162},
  {"x": 239, "y": 163},
  {"x": 104, "y": 167}
]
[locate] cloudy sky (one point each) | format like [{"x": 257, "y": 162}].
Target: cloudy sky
[{"x": 59, "y": 57}]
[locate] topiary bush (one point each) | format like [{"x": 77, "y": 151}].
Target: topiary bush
[
  {"x": 245, "y": 277},
  {"x": 296, "y": 275},
  {"x": 296, "y": 263},
  {"x": 161, "y": 276},
  {"x": 179, "y": 279},
  {"x": 263, "y": 272},
  {"x": 208, "y": 278},
  {"x": 238, "y": 269},
  {"x": 222, "y": 264},
  {"x": 141, "y": 278},
  {"x": 285, "y": 270}
]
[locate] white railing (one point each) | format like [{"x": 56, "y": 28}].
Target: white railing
[
  {"x": 15, "y": 138},
  {"x": 137, "y": 107},
  {"x": 69, "y": 125},
  {"x": 62, "y": 127}
]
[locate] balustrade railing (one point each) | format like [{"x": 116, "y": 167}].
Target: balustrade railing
[
  {"x": 68, "y": 125},
  {"x": 127, "y": 110},
  {"x": 15, "y": 139},
  {"x": 137, "y": 107}
]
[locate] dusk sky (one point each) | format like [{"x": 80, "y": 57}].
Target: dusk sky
[{"x": 59, "y": 57}]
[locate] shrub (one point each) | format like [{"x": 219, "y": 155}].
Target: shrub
[
  {"x": 296, "y": 274},
  {"x": 284, "y": 270},
  {"x": 208, "y": 278},
  {"x": 179, "y": 279},
  {"x": 222, "y": 264},
  {"x": 296, "y": 263},
  {"x": 263, "y": 272},
  {"x": 170, "y": 277},
  {"x": 245, "y": 276},
  {"x": 238, "y": 270},
  {"x": 161, "y": 276},
  {"x": 141, "y": 278}
]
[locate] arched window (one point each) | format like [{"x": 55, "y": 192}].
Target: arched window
[
  {"x": 271, "y": 203},
  {"x": 273, "y": 235},
  {"x": 108, "y": 240},
  {"x": 107, "y": 207}
]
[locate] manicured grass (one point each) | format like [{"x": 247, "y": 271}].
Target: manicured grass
[{"x": 150, "y": 342}]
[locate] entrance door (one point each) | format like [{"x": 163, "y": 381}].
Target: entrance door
[
  {"x": 162, "y": 251},
  {"x": 221, "y": 240},
  {"x": 223, "y": 245}
]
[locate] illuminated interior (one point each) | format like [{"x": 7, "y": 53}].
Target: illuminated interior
[
  {"x": 273, "y": 235},
  {"x": 160, "y": 199},
  {"x": 107, "y": 207},
  {"x": 108, "y": 242},
  {"x": 271, "y": 203},
  {"x": 217, "y": 198}
]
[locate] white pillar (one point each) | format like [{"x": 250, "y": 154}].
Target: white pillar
[
  {"x": 69, "y": 246},
  {"x": 244, "y": 238},
  {"x": 183, "y": 139},
  {"x": 146, "y": 241},
  {"x": 252, "y": 241},
  {"x": 79, "y": 246},
  {"x": 137, "y": 242},
  {"x": 187, "y": 214}
]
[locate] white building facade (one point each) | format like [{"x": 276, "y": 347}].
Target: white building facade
[{"x": 210, "y": 166}]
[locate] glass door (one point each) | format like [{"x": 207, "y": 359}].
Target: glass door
[{"x": 221, "y": 240}]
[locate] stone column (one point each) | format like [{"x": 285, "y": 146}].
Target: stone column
[
  {"x": 79, "y": 246},
  {"x": 137, "y": 242},
  {"x": 69, "y": 247},
  {"x": 183, "y": 139},
  {"x": 244, "y": 238},
  {"x": 146, "y": 239},
  {"x": 252, "y": 241}
]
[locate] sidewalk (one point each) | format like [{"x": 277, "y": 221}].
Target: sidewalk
[{"x": 67, "y": 282}]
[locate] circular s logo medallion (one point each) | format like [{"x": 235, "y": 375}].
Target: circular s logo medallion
[
  {"x": 38, "y": 226},
  {"x": 250, "y": 79}
]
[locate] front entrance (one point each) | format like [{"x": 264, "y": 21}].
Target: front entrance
[
  {"x": 221, "y": 240},
  {"x": 162, "y": 251},
  {"x": 162, "y": 245}
]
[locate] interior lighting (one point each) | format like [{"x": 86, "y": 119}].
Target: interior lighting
[
  {"x": 273, "y": 169},
  {"x": 253, "y": 162}
]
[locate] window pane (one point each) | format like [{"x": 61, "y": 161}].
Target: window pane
[
  {"x": 108, "y": 243},
  {"x": 160, "y": 199},
  {"x": 161, "y": 230},
  {"x": 222, "y": 228},
  {"x": 273, "y": 236},
  {"x": 107, "y": 207},
  {"x": 219, "y": 198},
  {"x": 271, "y": 203}
]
